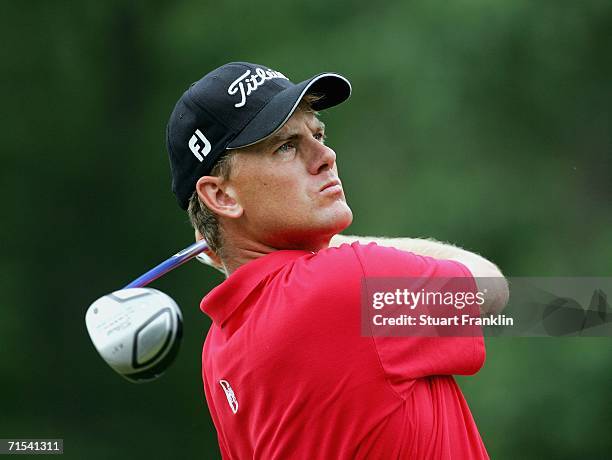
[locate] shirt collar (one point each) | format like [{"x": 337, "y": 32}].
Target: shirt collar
[{"x": 222, "y": 301}]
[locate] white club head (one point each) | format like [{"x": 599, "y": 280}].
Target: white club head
[{"x": 136, "y": 331}]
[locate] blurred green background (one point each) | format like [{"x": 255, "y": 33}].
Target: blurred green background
[{"x": 487, "y": 124}]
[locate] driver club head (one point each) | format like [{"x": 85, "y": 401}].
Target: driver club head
[{"x": 137, "y": 331}]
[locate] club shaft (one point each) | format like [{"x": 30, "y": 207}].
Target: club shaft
[{"x": 170, "y": 264}]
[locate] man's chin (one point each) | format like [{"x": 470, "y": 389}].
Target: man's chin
[
  {"x": 339, "y": 221},
  {"x": 347, "y": 221}
]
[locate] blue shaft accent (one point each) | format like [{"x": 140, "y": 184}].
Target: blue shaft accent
[{"x": 177, "y": 259}]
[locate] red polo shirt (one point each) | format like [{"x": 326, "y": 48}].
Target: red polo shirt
[{"x": 288, "y": 375}]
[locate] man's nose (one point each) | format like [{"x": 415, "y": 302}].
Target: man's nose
[{"x": 322, "y": 158}]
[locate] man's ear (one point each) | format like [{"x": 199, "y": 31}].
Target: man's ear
[{"x": 219, "y": 196}]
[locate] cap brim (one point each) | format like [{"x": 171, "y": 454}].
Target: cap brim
[{"x": 333, "y": 89}]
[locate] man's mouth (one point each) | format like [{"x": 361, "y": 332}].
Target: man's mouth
[{"x": 331, "y": 187}]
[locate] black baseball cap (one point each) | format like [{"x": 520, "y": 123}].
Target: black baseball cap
[{"x": 234, "y": 106}]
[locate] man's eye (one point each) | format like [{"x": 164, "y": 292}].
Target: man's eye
[
  {"x": 286, "y": 147},
  {"x": 320, "y": 137}
]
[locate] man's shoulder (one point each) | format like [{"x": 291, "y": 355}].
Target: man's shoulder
[
  {"x": 360, "y": 257},
  {"x": 349, "y": 252},
  {"x": 333, "y": 258},
  {"x": 363, "y": 251},
  {"x": 385, "y": 261}
]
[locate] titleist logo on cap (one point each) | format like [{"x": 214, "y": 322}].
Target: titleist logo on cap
[{"x": 253, "y": 82}]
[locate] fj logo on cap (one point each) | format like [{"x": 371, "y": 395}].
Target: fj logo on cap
[
  {"x": 199, "y": 153},
  {"x": 229, "y": 393},
  {"x": 252, "y": 83}
]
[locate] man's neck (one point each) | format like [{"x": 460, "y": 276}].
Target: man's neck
[{"x": 239, "y": 251}]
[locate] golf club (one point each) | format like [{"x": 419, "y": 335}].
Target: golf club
[{"x": 137, "y": 330}]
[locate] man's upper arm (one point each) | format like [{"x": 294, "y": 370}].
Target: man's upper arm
[
  {"x": 488, "y": 276},
  {"x": 411, "y": 357}
]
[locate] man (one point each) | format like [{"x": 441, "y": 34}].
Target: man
[{"x": 287, "y": 372}]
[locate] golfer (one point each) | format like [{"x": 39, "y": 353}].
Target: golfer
[{"x": 287, "y": 372}]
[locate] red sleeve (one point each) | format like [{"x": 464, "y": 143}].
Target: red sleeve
[{"x": 407, "y": 358}]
